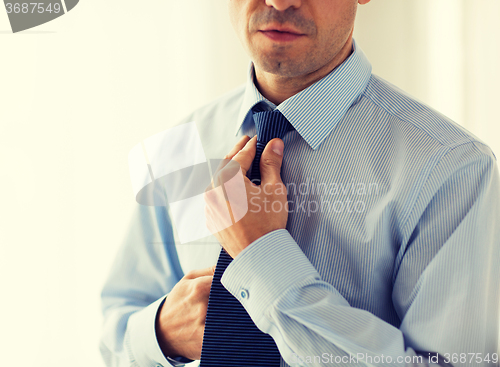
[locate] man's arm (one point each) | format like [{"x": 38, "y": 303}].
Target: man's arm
[
  {"x": 447, "y": 285},
  {"x": 136, "y": 287},
  {"x": 448, "y": 300},
  {"x": 136, "y": 315}
]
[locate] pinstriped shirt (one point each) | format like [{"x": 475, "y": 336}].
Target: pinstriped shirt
[{"x": 392, "y": 245}]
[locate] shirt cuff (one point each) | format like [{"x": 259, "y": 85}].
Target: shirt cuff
[
  {"x": 265, "y": 270},
  {"x": 143, "y": 344}
]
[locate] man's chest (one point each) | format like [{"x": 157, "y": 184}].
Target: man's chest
[{"x": 345, "y": 206}]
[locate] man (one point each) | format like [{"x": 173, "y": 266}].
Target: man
[{"x": 389, "y": 251}]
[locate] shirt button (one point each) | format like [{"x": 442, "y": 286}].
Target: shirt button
[{"x": 244, "y": 293}]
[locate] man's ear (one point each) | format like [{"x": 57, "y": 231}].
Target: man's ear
[{"x": 363, "y": 2}]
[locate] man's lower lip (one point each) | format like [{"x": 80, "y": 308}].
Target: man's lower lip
[{"x": 281, "y": 36}]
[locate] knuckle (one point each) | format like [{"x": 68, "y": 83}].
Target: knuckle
[
  {"x": 202, "y": 311},
  {"x": 273, "y": 185},
  {"x": 199, "y": 287},
  {"x": 196, "y": 287},
  {"x": 270, "y": 162},
  {"x": 216, "y": 178},
  {"x": 208, "y": 197},
  {"x": 243, "y": 153},
  {"x": 208, "y": 189},
  {"x": 219, "y": 177},
  {"x": 279, "y": 185}
]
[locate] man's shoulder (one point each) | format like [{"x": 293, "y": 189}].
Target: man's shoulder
[
  {"x": 415, "y": 115},
  {"x": 225, "y": 106}
]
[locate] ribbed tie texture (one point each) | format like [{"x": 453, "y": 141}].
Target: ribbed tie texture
[
  {"x": 231, "y": 338},
  {"x": 269, "y": 125}
]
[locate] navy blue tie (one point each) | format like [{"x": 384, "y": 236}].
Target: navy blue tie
[{"x": 231, "y": 338}]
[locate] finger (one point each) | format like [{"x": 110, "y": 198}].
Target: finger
[
  {"x": 193, "y": 274},
  {"x": 217, "y": 213},
  {"x": 236, "y": 193},
  {"x": 221, "y": 176},
  {"x": 270, "y": 161},
  {"x": 209, "y": 221},
  {"x": 239, "y": 146},
  {"x": 246, "y": 155},
  {"x": 227, "y": 159},
  {"x": 203, "y": 285}
]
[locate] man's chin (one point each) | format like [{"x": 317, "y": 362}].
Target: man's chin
[{"x": 285, "y": 68}]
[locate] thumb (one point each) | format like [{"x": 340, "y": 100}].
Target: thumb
[
  {"x": 270, "y": 161},
  {"x": 193, "y": 274}
]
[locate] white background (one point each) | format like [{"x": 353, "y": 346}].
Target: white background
[{"x": 76, "y": 94}]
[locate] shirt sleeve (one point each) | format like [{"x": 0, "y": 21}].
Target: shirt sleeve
[
  {"x": 145, "y": 270},
  {"x": 445, "y": 284}
]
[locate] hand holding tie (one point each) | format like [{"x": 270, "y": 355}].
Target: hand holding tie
[
  {"x": 181, "y": 320},
  {"x": 267, "y": 202}
]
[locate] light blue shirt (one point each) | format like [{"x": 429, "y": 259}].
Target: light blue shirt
[{"x": 392, "y": 244}]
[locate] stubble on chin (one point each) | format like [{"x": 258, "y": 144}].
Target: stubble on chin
[{"x": 285, "y": 67}]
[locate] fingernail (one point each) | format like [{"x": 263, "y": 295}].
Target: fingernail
[{"x": 277, "y": 147}]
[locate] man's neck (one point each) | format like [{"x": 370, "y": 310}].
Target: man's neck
[{"x": 277, "y": 88}]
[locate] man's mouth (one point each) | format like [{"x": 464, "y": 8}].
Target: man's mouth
[{"x": 281, "y": 34}]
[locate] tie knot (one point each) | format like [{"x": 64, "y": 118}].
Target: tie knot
[{"x": 270, "y": 125}]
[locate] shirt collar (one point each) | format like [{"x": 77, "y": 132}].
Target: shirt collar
[{"x": 315, "y": 111}]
